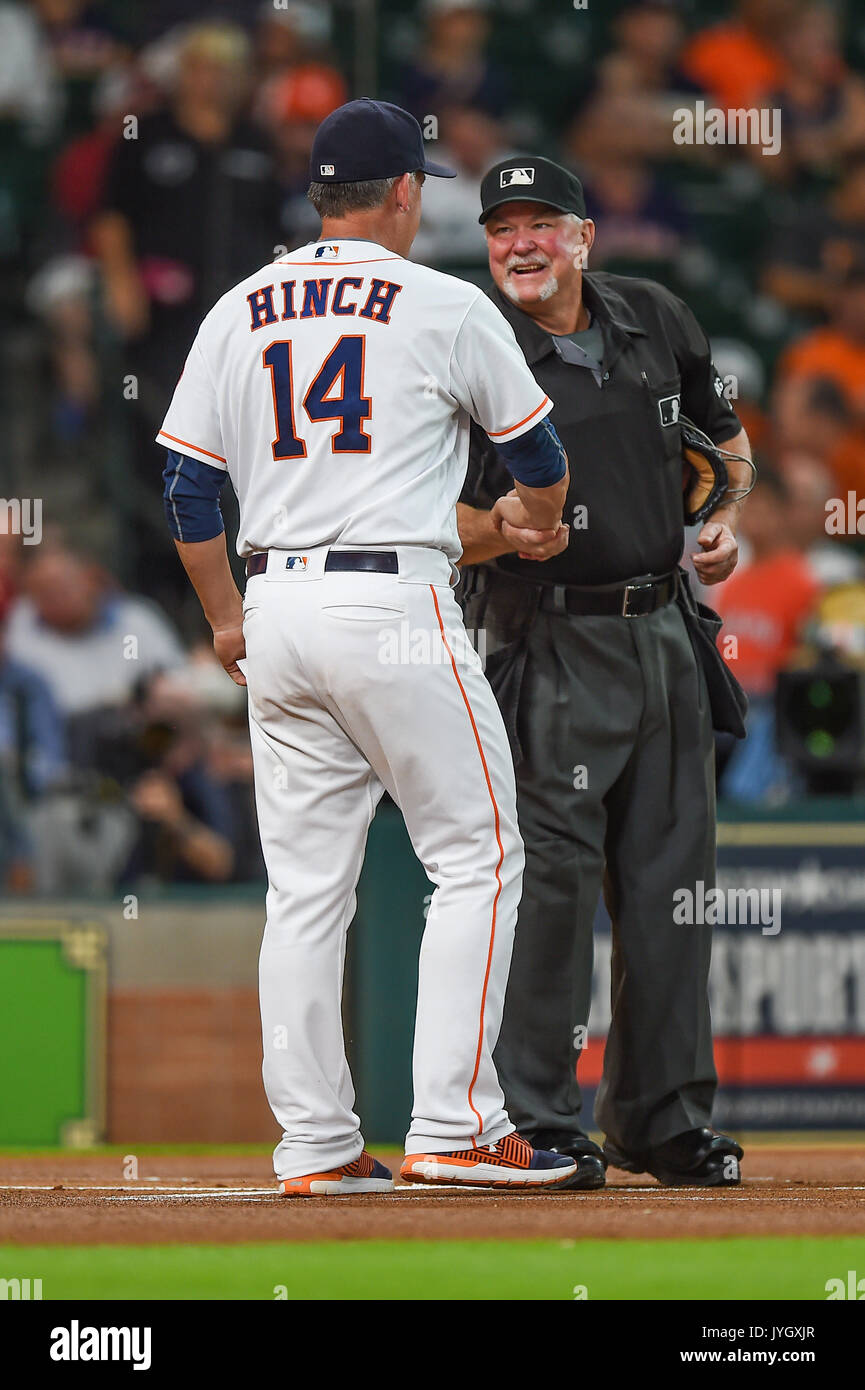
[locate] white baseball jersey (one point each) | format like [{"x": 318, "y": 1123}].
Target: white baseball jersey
[{"x": 335, "y": 386}]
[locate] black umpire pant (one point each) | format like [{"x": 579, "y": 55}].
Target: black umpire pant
[{"x": 615, "y": 780}]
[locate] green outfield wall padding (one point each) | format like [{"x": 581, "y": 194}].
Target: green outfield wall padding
[{"x": 52, "y": 1033}]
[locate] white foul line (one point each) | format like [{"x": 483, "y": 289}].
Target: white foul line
[{"x": 610, "y": 1195}]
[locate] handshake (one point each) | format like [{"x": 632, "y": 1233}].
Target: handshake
[{"x": 513, "y": 522}]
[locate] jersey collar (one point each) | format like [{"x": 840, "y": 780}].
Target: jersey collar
[
  {"x": 364, "y": 240},
  {"x": 613, "y": 314}
]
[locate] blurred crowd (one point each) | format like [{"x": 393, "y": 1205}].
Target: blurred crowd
[{"x": 153, "y": 152}]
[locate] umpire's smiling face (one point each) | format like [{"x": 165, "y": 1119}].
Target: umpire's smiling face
[{"x": 535, "y": 250}]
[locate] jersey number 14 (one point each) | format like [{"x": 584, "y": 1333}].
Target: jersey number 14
[{"x": 342, "y": 372}]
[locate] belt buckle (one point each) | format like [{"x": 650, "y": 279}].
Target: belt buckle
[{"x": 626, "y": 602}]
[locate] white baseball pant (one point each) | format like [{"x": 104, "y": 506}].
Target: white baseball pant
[{"x": 360, "y": 682}]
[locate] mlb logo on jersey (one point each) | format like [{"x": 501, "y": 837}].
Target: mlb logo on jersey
[
  {"x": 669, "y": 409},
  {"x": 326, "y": 253},
  {"x": 296, "y": 562},
  {"x": 326, "y": 170},
  {"x": 508, "y": 177}
]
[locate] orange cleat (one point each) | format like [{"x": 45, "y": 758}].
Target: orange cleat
[
  {"x": 510, "y": 1162},
  {"x": 364, "y": 1175}
]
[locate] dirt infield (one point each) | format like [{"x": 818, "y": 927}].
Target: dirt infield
[{"x": 79, "y": 1200}]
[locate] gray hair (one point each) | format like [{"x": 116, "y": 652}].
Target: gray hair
[{"x": 338, "y": 199}]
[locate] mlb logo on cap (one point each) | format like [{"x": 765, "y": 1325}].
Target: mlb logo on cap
[
  {"x": 327, "y": 171},
  {"x": 511, "y": 176}
]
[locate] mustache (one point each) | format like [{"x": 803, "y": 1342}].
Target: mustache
[{"x": 518, "y": 262}]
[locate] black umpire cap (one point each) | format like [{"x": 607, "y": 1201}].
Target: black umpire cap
[
  {"x": 368, "y": 139},
  {"x": 528, "y": 178}
]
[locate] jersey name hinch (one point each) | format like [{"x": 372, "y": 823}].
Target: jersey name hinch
[{"x": 364, "y": 296}]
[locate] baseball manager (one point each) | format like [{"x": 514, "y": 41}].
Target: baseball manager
[{"x": 591, "y": 655}]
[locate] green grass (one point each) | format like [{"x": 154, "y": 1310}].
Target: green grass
[
  {"x": 738, "y": 1268},
  {"x": 763, "y": 1138}
]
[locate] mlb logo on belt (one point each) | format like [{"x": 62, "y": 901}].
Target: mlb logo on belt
[
  {"x": 326, "y": 252},
  {"x": 511, "y": 176},
  {"x": 669, "y": 409},
  {"x": 296, "y": 562}
]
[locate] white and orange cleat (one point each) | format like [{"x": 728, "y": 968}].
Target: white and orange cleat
[
  {"x": 364, "y": 1175},
  {"x": 511, "y": 1162}
]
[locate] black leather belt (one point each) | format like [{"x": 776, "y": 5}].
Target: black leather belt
[
  {"x": 636, "y": 599},
  {"x": 355, "y": 561}
]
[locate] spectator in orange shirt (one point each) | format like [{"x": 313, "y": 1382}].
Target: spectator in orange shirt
[
  {"x": 764, "y": 606},
  {"x": 835, "y": 352},
  {"x": 739, "y": 61},
  {"x": 813, "y": 417},
  {"x": 293, "y": 42}
]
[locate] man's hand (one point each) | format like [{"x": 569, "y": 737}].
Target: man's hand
[
  {"x": 720, "y": 553},
  {"x": 206, "y": 563},
  {"x": 512, "y": 509},
  {"x": 535, "y": 545},
  {"x": 485, "y": 537},
  {"x": 157, "y": 798},
  {"x": 230, "y": 647}
]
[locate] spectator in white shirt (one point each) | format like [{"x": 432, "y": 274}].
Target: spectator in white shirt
[
  {"x": 28, "y": 86},
  {"x": 91, "y": 642}
]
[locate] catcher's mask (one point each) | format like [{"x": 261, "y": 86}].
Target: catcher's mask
[{"x": 705, "y": 480}]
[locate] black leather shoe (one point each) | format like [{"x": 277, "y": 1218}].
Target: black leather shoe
[
  {"x": 697, "y": 1158},
  {"x": 589, "y": 1156}
]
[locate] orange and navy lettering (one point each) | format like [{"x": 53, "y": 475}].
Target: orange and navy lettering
[
  {"x": 380, "y": 301},
  {"x": 343, "y": 368},
  {"x": 261, "y": 307},
  {"x": 315, "y": 296},
  {"x": 337, "y": 306},
  {"x": 316, "y": 300},
  {"x": 288, "y": 300}
]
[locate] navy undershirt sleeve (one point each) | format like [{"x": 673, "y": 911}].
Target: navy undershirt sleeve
[
  {"x": 191, "y": 498},
  {"x": 537, "y": 458}
]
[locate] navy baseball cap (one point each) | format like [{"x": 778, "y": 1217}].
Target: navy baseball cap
[
  {"x": 368, "y": 139},
  {"x": 526, "y": 178}
]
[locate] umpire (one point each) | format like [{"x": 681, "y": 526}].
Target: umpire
[{"x": 589, "y": 654}]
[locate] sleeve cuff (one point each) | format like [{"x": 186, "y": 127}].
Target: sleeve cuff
[
  {"x": 521, "y": 426},
  {"x": 171, "y": 441}
]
